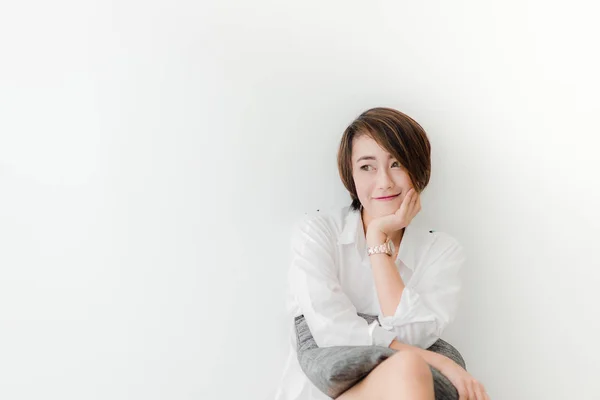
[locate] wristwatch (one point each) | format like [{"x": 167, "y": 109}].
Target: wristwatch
[{"x": 386, "y": 248}]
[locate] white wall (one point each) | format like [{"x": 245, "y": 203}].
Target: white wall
[{"x": 153, "y": 155}]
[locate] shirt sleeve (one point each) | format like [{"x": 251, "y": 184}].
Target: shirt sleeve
[
  {"x": 430, "y": 301},
  {"x": 329, "y": 313}
]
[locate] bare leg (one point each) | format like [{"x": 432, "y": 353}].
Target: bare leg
[{"x": 403, "y": 376}]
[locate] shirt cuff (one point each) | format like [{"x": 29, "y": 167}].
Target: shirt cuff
[
  {"x": 409, "y": 311},
  {"x": 380, "y": 336}
]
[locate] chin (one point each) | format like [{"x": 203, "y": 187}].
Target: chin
[
  {"x": 380, "y": 211},
  {"x": 384, "y": 209}
]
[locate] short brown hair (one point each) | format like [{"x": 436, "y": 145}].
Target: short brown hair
[{"x": 399, "y": 135}]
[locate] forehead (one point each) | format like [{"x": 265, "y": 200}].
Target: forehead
[{"x": 366, "y": 146}]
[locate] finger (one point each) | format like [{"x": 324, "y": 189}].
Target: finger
[
  {"x": 479, "y": 392},
  {"x": 471, "y": 392},
  {"x": 413, "y": 199},
  {"x": 411, "y": 210},
  {"x": 404, "y": 205},
  {"x": 405, "y": 211},
  {"x": 407, "y": 196},
  {"x": 415, "y": 203}
]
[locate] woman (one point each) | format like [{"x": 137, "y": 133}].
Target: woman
[{"x": 365, "y": 258}]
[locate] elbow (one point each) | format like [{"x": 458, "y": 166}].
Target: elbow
[
  {"x": 350, "y": 334},
  {"x": 419, "y": 334}
]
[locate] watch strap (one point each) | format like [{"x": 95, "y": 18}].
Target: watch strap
[{"x": 380, "y": 248}]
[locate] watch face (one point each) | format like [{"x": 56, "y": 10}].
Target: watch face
[{"x": 391, "y": 246}]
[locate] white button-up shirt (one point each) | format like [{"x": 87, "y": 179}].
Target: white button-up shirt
[{"x": 330, "y": 280}]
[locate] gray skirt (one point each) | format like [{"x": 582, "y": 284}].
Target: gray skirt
[{"x": 333, "y": 370}]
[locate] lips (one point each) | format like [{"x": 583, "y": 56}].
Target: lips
[{"x": 387, "y": 197}]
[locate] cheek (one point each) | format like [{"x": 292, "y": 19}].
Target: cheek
[
  {"x": 363, "y": 187},
  {"x": 403, "y": 179}
]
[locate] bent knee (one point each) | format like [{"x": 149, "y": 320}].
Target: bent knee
[{"x": 409, "y": 363}]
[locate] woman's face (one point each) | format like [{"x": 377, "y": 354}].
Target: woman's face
[{"x": 376, "y": 174}]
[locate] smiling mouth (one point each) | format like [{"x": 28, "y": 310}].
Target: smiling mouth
[{"x": 388, "y": 197}]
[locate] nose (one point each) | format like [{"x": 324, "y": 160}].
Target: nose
[{"x": 384, "y": 181}]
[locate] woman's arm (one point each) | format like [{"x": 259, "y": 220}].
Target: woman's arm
[
  {"x": 466, "y": 385},
  {"x": 430, "y": 304},
  {"x": 388, "y": 283},
  {"x": 434, "y": 359},
  {"x": 329, "y": 312}
]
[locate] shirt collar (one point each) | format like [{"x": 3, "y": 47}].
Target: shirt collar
[
  {"x": 353, "y": 233},
  {"x": 352, "y": 222}
]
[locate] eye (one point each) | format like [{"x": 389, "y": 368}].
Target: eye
[
  {"x": 395, "y": 162},
  {"x": 364, "y": 167}
]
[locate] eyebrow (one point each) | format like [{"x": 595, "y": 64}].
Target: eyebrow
[{"x": 371, "y": 158}]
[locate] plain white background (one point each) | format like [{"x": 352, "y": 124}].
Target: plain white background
[{"x": 154, "y": 154}]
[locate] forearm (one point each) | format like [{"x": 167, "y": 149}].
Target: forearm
[
  {"x": 434, "y": 359},
  {"x": 388, "y": 283}
]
